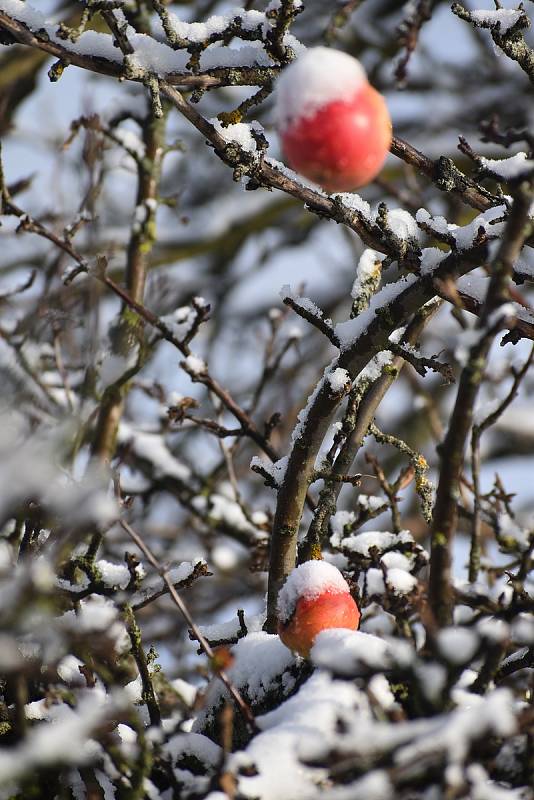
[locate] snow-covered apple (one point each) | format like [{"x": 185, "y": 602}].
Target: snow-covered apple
[
  {"x": 314, "y": 597},
  {"x": 335, "y": 129}
]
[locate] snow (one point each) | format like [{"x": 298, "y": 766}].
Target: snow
[
  {"x": 95, "y": 613},
  {"x": 399, "y": 581},
  {"x": 6, "y": 556},
  {"x": 362, "y": 543},
  {"x": 351, "y": 330},
  {"x": 156, "y": 585},
  {"x": 308, "y": 305},
  {"x": 84, "y": 500},
  {"x": 241, "y": 133},
  {"x": 374, "y": 368},
  {"x": 431, "y": 258},
  {"x": 154, "y": 56},
  {"x": 338, "y": 523},
  {"x": 513, "y": 534},
  {"x": 523, "y": 629},
  {"x": 458, "y": 645},
  {"x": 68, "y": 670},
  {"x": 453, "y": 733},
  {"x": 374, "y": 582},
  {"x": 354, "y": 653},
  {"x": 151, "y": 447},
  {"x": 130, "y": 141},
  {"x": 309, "y": 580},
  {"x": 369, "y": 265},
  {"x": 65, "y": 739},
  {"x": 402, "y": 224},
  {"x": 295, "y": 177},
  {"x": 381, "y": 691},
  {"x": 355, "y": 203},
  {"x": 432, "y": 678},
  {"x": 338, "y": 380},
  {"x": 193, "y": 744},
  {"x": 396, "y": 560},
  {"x": 376, "y": 785},
  {"x": 181, "y": 320},
  {"x": 261, "y": 664},
  {"x": 197, "y": 32},
  {"x": 490, "y": 221},
  {"x": 114, "y": 366},
  {"x": 185, "y": 690},
  {"x": 114, "y": 574},
  {"x": 219, "y": 507},
  {"x": 317, "y": 77},
  {"x": 496, "y": 630},
  {"x": 292, "y": 731},
  {"x": 220, "y": 631},
  {"x": 482, "y": 788},
  {"x": 196, "y": 365},
  {"x": 504, "y": 18},
  {"x": 276, "y": 470},
  {"x": 302, "y": 416},
  {"x": 508, "y": 168}
]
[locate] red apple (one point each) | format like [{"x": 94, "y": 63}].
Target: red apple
[
  {"x": 335, "y": 129},
  {"x": 314, "y": 597}
]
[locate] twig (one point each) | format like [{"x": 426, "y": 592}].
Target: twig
[
  {"x": 452, "y": 450},
  {"x": 476, "y": 434},
  {"x": 177, "y": 600}
]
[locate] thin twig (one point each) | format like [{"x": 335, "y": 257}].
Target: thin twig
[{"x": 179, "y": 603}]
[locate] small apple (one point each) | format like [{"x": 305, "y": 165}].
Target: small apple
[
  {"x": 314, "y": 597},
  {"x": 335, "y": 129}
]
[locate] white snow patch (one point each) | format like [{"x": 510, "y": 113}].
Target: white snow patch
[
  {"x": 504, "y": 18},
  {"x": 457, "y": 644},
  {"x": 354, "y": 653},
  {"x": 196, "y": 365},
  {"x": 402, "y": 224},
  {"x": 317, "y": 77},
  {"x": 508, "y": 168},
  {"x": 151, "y": 447},
  {"x": 338, "y": 380}
]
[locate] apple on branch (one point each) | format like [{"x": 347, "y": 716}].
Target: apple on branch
[
  {"x": 314, "y": 597},
  {"x": 334, "y": 128}
]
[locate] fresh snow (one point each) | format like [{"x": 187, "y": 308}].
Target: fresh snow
[
  {"x": 276, "y": 470},
  {"x": 505, "y": 18},
  {"x": 338, "y": 380},
  {"x": 317, "y": 77},
  {"x": 349, "y": 332},
  {"x": 368, "y": 268},
  {"x": 457, "y": 644},
  {"x": 300, "y": 726},
  {"x": 241, "y": 133},
  {"x": 363, "y": 543},
  {"x": 403, "y": 225},
  {"x": 154, "y": 56},
  {"x": 508, "y": 168},
  {"x": 347, "y": 652},
  {"x": 261, "y": 664},
  {"x": 113, "y": 574},
  {"x": 355, "y": 203},
  {"x": 196, "y": 365},
  {"x": 151, "y": 447}
]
